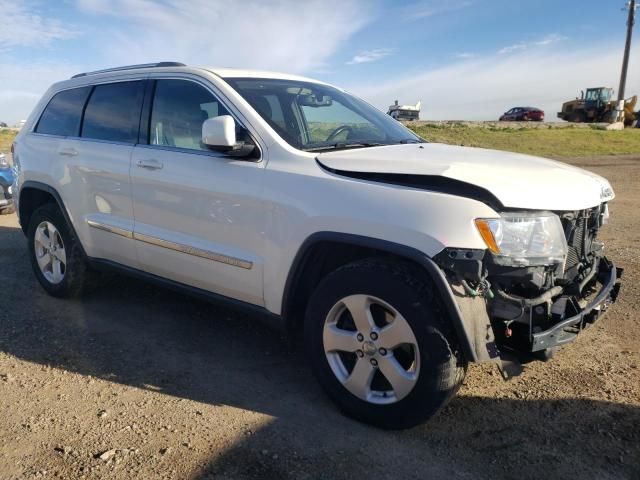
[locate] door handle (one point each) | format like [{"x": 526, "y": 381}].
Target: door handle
[
  {"x": 150, "y": 164},
  {"x": 68, "y": 152}
]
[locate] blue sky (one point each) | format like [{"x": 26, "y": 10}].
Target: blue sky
[{"x": 465, "y": 59}]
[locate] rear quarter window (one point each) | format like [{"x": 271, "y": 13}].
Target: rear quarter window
[
  {"x": 62, "y": 115},
  {"x": 113, "y": 112}
]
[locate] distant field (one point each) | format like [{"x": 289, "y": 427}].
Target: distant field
[
  {"x": 6, "y": 137},
  {"x": 546, "y": 142}
]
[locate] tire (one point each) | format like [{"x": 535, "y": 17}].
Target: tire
[
  {"x": 74, "y": 270},
  {"x": 432, "y": 366},
  {"x": 578, "y": 117}
]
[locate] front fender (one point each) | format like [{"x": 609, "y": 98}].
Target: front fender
[{"x": 465, "y": 327}]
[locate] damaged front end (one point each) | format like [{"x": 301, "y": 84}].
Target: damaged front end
[{"x": 542, "y": 280}]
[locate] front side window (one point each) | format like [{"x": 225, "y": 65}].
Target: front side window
[
  {"x": 179, "y": 109},
  {"x": 113, "y": 112},
  {"x": 314, "y": 117},
  {"x": 62, "y": 114}
]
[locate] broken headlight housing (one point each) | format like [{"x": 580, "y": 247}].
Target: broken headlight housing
[{"x": 523, "y": 239}]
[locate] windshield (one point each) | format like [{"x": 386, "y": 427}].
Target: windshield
[
  {"x": 593, "y": 95},
  {"x": 314, "y": 117},
  {"x": 596, "y": 94}
]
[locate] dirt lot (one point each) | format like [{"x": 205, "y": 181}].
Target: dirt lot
[{"x": 138, "y": 382}]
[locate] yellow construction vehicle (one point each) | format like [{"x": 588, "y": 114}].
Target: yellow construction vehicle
[
  {"x": 597, "y": 105},
  {"x": 631, "y": 117}
]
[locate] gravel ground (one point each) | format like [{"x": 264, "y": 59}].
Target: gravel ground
[{"x": 134, "y": 381}]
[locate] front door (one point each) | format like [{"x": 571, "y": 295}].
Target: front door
[{"x": 198, "y": 214}]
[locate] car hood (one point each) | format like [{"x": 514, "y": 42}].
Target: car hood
[{"x": 515, "y": 180}]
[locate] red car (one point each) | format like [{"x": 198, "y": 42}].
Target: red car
[{"x": 523, "y": 114}]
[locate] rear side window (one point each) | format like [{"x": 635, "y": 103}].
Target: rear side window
[
  {"x": 62, "y": 115},
  {"x": 113, "y": 112}
]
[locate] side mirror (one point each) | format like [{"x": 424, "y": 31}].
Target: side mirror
[{"x": 219, "y": 132}]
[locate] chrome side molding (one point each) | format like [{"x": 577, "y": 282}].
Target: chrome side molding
[
  {"x": 110, "y": 228},
  {"x": 177, "y": 247},
  {"x": 196, "y": 252}
]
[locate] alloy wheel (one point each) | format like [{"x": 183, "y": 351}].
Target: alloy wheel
[
  {"x": 50, "y": 252},
  {"x": 371, "y": 349}
]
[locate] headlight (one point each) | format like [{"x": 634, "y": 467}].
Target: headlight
[{"x": 524, "y": 239}]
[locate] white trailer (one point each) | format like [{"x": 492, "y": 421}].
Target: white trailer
[{"x": 404, "y": 112}]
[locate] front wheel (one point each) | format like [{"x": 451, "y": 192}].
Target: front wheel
[
  {"x": 380, "y": 344},
  {"x": 578, "y": 117}
]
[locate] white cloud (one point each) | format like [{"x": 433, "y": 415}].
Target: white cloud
[
  {"x": 551, "y": 38},
  {"x": 513, "y": 48},
  {"x": 465, "y": 55},
  {"x": 483, "y": 88},
  {"x": 370, "y": 56},
  {"x": 547, "y": 40},
  {"x": 429, "y": 8},
  {"x": 22, "y": 27},
  {"x": 22, "y": 85},
  {"x": 276, "y": 35}
]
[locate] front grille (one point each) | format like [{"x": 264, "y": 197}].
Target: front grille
[
  {"x": 575, "y": 242},
  {"x": 580, "y": 229}
]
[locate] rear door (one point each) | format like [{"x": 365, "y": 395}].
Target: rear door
[
  {"x": 98, "y": 164},
  {"x": 199, "y": 216}
]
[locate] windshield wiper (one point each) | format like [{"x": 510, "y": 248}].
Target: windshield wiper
[
  {"x": 411, "y": 140},
  {"x": 344, "y": 146}
]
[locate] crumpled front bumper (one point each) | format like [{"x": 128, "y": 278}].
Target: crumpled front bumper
[{"x": 568, "y": 329}]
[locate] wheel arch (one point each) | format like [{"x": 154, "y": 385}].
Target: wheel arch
[
  {"x": 342, "y": 248},
  {"x": 34, "y": 194}
]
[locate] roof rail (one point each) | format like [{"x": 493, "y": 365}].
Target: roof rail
[{"x": 131, "y": 67}]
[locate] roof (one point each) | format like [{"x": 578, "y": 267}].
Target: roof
[
  {"x": 241, "y": 73},
  {"x": 404, "y": 107},
  {"x": 221, "y": 72},
  {"x": 410, "y": 108}
]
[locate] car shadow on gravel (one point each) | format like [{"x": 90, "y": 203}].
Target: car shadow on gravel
[
  {"x": 472, "y": 438},
  {"x": 140, "y": 335}
]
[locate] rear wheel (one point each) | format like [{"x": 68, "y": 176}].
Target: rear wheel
[
  {"x": 380, "y": 345},
  {"x": 56, "y": 256}
]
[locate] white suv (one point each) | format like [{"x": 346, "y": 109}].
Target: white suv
[{"x": 398, "y": 261}]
